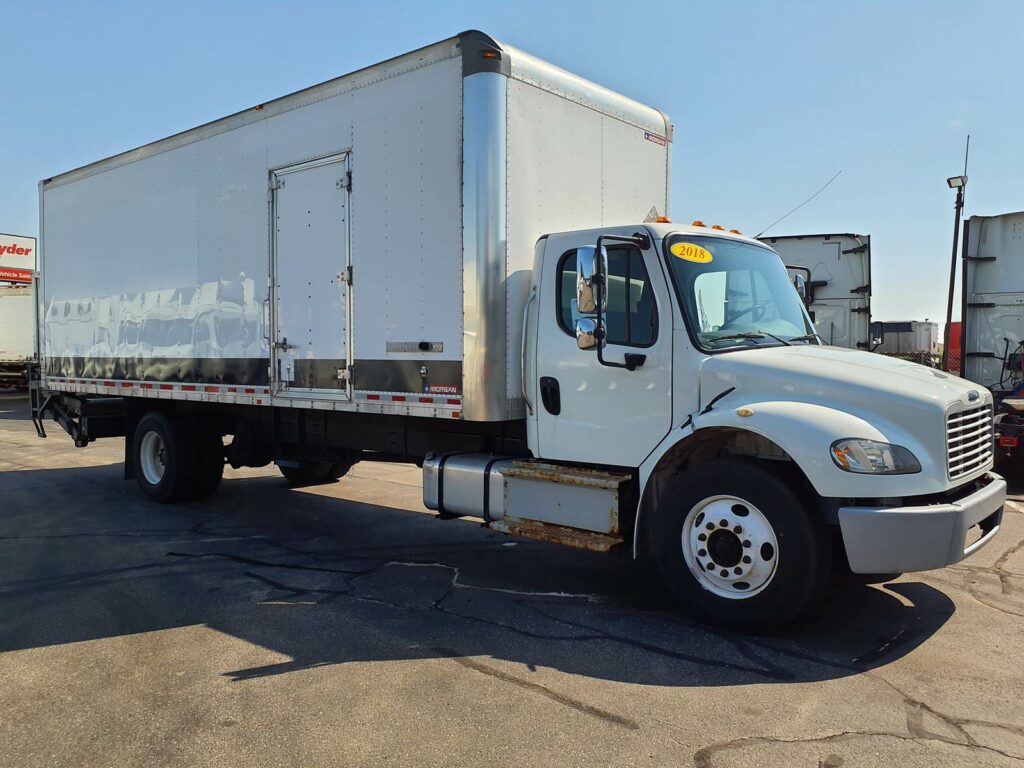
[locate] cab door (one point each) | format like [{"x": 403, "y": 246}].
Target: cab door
[{"x": 586, "y": 411}]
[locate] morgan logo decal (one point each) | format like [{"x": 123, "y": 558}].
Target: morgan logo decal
[
  {"x": 661, "y": 141},
  {"x": 441, "y": 389}
]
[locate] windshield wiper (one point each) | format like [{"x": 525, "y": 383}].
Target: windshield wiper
[
  {"x": 808, "y": 337},
  {"x": 759, "y": 334}
]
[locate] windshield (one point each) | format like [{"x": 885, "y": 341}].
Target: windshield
[{"x": 736, "y": 294}]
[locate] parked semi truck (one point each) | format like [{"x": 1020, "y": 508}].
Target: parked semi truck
[
  {"x": 459, "y": 258},
  {"x": 836, "y": 269},
  {"x": 992, "y": 331},
  {"x": 17, "y": 343}
]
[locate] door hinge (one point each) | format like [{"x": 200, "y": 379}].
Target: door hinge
[
  {"x": 345, "y": 182},
  {"x": 346, "y": 276}
]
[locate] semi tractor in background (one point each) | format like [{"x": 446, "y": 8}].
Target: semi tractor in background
[
  {"x": 460, "y": 258},
  {"x": 17, "y": 321},
  {"x": 836, "y": 271},
  {"x": 992, "y": 331}
]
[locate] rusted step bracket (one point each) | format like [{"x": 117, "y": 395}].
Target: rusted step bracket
[{"x": 557, "y": 534}]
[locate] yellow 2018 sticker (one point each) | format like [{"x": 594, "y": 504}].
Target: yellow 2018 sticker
[{"x": 692, "y": 252}]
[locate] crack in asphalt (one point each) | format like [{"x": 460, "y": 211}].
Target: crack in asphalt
[{"x": 1006, "y": 577}]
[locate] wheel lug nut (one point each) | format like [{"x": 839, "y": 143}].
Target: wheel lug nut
[
  {"x": 710, "y": 526},
  {"x": 737, "y": 571},
  {"x": 702, "y": 537},
  {"x": 746, "y": 543},
  {"x": 702, "y": 553},
  {"x": 710, "y": 566},
  {"x": 725, "y": 572},
  {"x": 746, "y": 559},
  {"x": 723, "y": 523},
  {"x": 737, "y": 530}
]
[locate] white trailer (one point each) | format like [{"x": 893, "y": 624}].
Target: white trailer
[
  {"x": 17, "y": 335},
  {"x": 837, "y": 270},
  {"x": 459, "y": 258},
  {"x": 917, "y": 339},
  {"x": 992, "y": 335}
]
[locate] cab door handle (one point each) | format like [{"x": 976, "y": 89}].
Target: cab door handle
[{"x": 551, "y": 395}]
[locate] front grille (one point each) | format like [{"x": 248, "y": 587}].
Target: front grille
[{"x": 969, "y": 440}]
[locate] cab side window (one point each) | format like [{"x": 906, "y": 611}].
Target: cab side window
[{"x": 632, "y": 317}]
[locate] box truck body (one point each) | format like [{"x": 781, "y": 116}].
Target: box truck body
[
  {"x": 837, "y": 268},
  {"x": 459, "y": 258},
  {"x": 17, "y": 334},
  {"x": 404, "y": 201}
]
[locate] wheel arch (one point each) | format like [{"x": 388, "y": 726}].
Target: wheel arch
[{"x": 704, "y": 445}]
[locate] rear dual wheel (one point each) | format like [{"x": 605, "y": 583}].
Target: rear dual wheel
[
  {"x": 738, "y": 547},
  {"x": 176, "y": 459},
  {"x": 315, "y": 472}
]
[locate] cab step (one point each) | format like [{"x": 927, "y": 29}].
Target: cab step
[{"x": 557, "y": 534}]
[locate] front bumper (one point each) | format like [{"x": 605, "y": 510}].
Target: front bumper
[{"x": 901, "y": 539}]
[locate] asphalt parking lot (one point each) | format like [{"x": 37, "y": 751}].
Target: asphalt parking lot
[{"x": 343, "y": 625}]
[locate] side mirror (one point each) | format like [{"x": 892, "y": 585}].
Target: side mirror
[
  {"x": 587, "y": 269},
  {"x": 800, "y": 283},
  {"x": 586, "y": 332}
]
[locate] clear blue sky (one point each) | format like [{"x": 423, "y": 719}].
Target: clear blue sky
[{"x": 769, "y": 99}]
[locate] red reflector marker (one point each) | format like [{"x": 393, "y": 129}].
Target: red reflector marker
[{"x": 1007, "y": 441}]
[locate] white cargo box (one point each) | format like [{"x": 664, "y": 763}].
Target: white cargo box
[
  {"x": 838, "y": 270},
  {"x": 364, "y": 244},
  {"x": 16, "y": 325},
  {"x": 993, "y": 301}
]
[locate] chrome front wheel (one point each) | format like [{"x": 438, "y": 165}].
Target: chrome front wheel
[{"x": 730, "y": 547}]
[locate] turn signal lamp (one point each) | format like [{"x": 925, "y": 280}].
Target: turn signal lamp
[{"x": 698, "y": 223}]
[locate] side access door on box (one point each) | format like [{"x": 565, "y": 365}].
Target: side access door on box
[
  {"x": 311, "y": 278},
  {"x": 993, "y": 301},
  {"x": 838, "y": 272}
]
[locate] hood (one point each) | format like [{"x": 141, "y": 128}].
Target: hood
[{"x": 861, "y": 383}]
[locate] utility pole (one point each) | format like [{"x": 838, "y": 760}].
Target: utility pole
[{"x": 959, "y": 183}]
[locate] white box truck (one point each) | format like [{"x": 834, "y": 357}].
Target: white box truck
[
  {"x": 992, "y": 334},
  {"x": 455, "y": 258},
  {"x": 17, "y": 329},
  {"x": 837, "y": 271}
]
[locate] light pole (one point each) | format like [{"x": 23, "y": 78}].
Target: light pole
[{"x": 958, "y": 183}]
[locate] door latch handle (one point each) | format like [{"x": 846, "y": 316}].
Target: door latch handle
[
  {"x": 551, "y": 395},
  {"x": 283, "y": 345}
]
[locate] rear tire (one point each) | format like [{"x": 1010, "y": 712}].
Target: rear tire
[
  {"x": 164, "y": 454},
  {"x": 308, "y": 473},
  {"x": 209, "y": 448},
  {"x": 738, "y": 547}
]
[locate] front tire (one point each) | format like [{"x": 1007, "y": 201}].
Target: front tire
[{"x": 738, "y": 547}]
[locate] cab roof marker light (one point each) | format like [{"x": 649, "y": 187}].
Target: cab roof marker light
[
  {"x": 697, "y": 223},
  {"x": 719, "y": 227}
]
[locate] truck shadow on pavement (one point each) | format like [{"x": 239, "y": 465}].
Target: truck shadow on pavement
[
  {"x": 14, "y": 405},
  {"x": 326, "y": 581}
]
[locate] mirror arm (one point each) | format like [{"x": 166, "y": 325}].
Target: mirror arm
[{"x": 643, "y": 242}]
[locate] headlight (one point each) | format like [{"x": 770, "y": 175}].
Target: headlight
[{"x": 871, "y": 457}]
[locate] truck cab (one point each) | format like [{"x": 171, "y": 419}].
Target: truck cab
[{"x": 757, "y": 453}]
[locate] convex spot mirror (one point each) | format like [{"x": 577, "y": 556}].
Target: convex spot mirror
[{"x": 586, "y": 332}]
